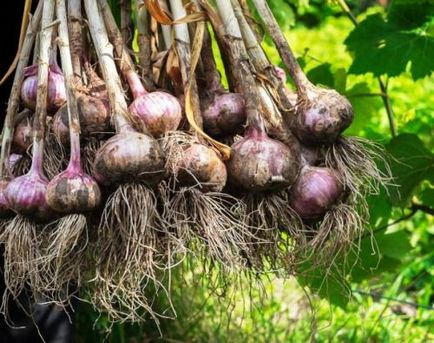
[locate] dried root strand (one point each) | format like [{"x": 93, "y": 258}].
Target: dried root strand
[
  {"x": 131, "y": 300},
  {"x": 55, "y": 158},
  {"x": 356, "y": 159},
  {"x": 131, "y": 252},
  {"x": 131, "y": 216},
  {"x": 4, "y": 222},
  {"x": 177, "y": 223},
  {"x": 337, "y": 234},
  {"x": 65, "y": 256},
  {"x": 220, "y": 285},
  {"x": 22, "y": 166},
  {"x": 54, "y": 162},
  {"x": 276, "y": 228},
  {"x": 213, "y": 222},
  {"x": 88, "y": 153},
  {"x": 22, "y": 255},
  {"x": 174, "y": 144}
]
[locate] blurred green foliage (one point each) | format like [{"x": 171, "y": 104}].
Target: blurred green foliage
[{"x": 388, "y": 293}]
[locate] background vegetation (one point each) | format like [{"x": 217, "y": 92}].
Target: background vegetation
[{"x": 384, "y": 66}]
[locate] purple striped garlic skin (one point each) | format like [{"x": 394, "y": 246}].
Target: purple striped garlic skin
[
  {"x": 5, "y": 210},
  {"x": 23, "y": 134},
  {"x": 127, "y": 156},
  {"x": 94, "y": 118},
  {"x": 73, "y": 191},
  {"x": 159, "y": 111},
  {"x": 224, "y": 114},
  {"x": 316, "y": 190},
  {"x": 56, "y": 88},
  {"x": 259, "y": 163},
  {"x": 26, "y": 196}
]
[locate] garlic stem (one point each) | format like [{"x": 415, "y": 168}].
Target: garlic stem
[
  {"x": 241, "y": 65},
  {"x": 182, "y": 41},
  {"x": 14, "y": 99},
  {"x": 285, "y": 52},
  {"x": 104, "y": 51},
  {"x": 75, "y": 36},
  {"x": 67, "y": 66},
  {"x": 39, "y": 123}
]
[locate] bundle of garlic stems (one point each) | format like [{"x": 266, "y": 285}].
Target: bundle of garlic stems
[{"x": 165, "y": 162}]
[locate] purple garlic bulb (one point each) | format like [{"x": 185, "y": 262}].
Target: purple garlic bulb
[{"x": 316, "y": 190}]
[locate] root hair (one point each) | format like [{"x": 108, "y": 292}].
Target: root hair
[
  {"x": 276, "y": 229},
  {"x": 65, "y": 257},
  {"x": 174, "y": 143},
  {"x": 55, "y": 158},
  {"x": 338, "y": 233},
  {"x": 22, "y": 166},
  {"x": 22, "y": 255},
  {"x": 214, "y": 224},
  {"x": 356, "y": 160},
  {"x": 131, "y": 253},
  {"x": 88, "y": 153}
]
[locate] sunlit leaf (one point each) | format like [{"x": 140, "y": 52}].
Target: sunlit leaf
[
  {"x": 394, "y": 245},
  {"x": 379, "y": 252},
  {"x": 364, "y": 105},
  {"x": 411, "y": 163},
  {"x": 380, "y": 209},
  {"x": 328, "y": 283},
  {"x": 389, "y": 45},
  {"x": 340, "y": 77}
]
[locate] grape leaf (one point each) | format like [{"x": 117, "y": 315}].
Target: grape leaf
[
  {"x": 328, "y": 283},
  {"x": 378, "y": 254},
  {"x": 384, "y": 252},
  {"x": 364, "y": 107},
  {"x": 380, "y": 209},
  {"x": 383, "y": 46},
  {"x": 395, "y": 245},
  {"x": 322, "y": 75},
  {"x": 372, "y": 266},
  {"x": 427, "y": 195},
  {"x": 411, "y": 14},
  {"x": 340, "y": 77},
  {"x": 411, "y": 163},
  {"x": 283, "y": 13}
]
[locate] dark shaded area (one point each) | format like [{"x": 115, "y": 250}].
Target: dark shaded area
[{"x": 53, "y": 323}]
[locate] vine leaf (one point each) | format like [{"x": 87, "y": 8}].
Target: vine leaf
[
  {"x": 378, "y": 254},
  {"x": 322, "y": 75},
  {"x": 328, "y": 283},
  {"x": 383, "y": 252},
  {"x": 283, "y": 12},
  {"x": 388, "y": 45},
  {"x": 411, "y": 163},
  {"x": 364, "y": 107},
  {"x": 394, "y": 245},
  {"x": 380, "y": 209},
  {"x": 427, "y": 195}
]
